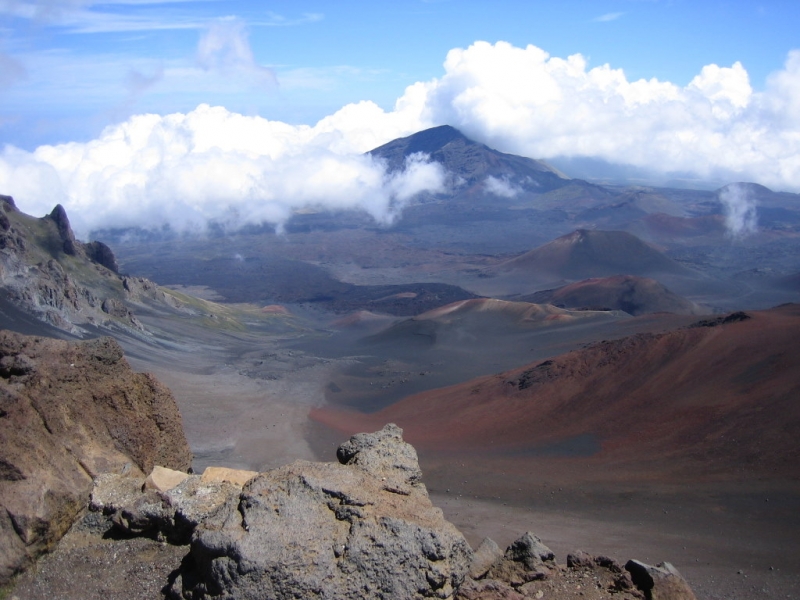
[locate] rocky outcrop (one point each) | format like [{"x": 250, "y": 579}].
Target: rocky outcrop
[
  {"x": 362, "y": 529},
  {"x": 70, "y": 412},
  {"x": 68, "y": 242},
  {"x": 47, "y": 272},
  {"x": 101, "y": 254},
  {"x": 528, "y": 569}
]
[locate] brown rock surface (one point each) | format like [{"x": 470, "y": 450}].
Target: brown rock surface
[
  {"x": 222, "y": 474},
  {"x": 70, "y": 412},
  {"x": 162, "y": 479}
]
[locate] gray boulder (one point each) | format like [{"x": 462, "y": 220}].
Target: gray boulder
[
  {"x": 660, "y": 582},
  {"x": 487, "y": 554},
  {"x": 172, "y": 513},
  {"x": 530, "y": 551},
  {"x": 360, "y": 530}
]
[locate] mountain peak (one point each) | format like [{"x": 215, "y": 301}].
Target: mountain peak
[{"x": 470, "y": 160}]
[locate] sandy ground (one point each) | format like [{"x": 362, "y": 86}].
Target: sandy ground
[{"x": 235, "y": 421}]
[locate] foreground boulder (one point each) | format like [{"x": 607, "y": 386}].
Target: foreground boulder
[
  {"x": 70, "y": 412},
  {"x": 361, "y": 530}
]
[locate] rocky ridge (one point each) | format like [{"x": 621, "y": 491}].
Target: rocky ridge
[{"x": 70, "y": 285}]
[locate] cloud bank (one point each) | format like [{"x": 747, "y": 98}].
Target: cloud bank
[
  {"x": 213, "y": 164},
  {"x": 208, "y": 165}
]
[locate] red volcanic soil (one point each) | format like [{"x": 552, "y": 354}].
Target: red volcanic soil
[
  {"x": 719, "y": 401},
  {"x": 634, "y": 295}
]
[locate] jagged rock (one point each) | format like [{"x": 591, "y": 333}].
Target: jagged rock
[
  {"x": 360, "y": 530},
  {"x": 162, "y": 479},
  {"x": 102, "y": 255},
  {"x": 580, "y": 560},
  {"x": 485, "y": 556},
  {"x": 115, "y": 308},
  {"x": 173, "y": 512},
  {"x": 530, "y": 551},
  {"x": 236, "y": 477},
  {"x": 114, "y": 491},
  {"x": 660, "y": 582},
  {"x": 526, "y": 559},
  {"x": 61, "y": 281},
  {"x": 69, "y": 243},
  {"x": 487, "y": 589},
  {"x": 383, "y": 454},
  {"x": 149, "y": 512},
  {"x": 70, "y": 412}
]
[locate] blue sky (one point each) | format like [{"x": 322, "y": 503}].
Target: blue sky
[
  {"x": 73, "y": 65},
  {"x": 703, "y": 79}
]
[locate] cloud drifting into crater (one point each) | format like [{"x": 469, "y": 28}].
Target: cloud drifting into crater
[
  {"x": 212, "y": 164},
  {"x": 740, "y": 209}
]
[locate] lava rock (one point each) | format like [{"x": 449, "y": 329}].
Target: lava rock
[{"x": 361, "y": 530}]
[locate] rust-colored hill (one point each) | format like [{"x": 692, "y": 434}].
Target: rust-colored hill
[
  {"x": 628, "y": 293},
  {"x": 720, "y": 400},
  {"x": 584, "y": 253}
]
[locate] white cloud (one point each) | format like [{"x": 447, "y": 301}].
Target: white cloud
[
  {"x": 501, "y": 187},
  {"x": 524, "y": 101},
  {"x": 209, "y": 164}
]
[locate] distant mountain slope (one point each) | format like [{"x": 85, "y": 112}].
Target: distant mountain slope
[
  {"x": 470, "y": 160},
  {"x": 634, "y": 295},
  {"x": 716, "y": 399},
  {"x": 52, "y": 284},
  {"x": 584, "y": 253}
]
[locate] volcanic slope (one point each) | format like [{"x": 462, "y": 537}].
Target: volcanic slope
[
  {"x": 461, "y": 341},
  {"x": 714, "y": 400},
  {"x": 470, "y": 160},
  {"x": 588, "y": 253},
  {"x": 634, "y": 295}
]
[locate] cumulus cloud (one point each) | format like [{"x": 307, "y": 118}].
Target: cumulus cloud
[
  {"x": 207, "y": 165},
  {"x": 741, "y": 216},
  {"x": 212, "y": 164},
  {"x": 523, "y": 100}
]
